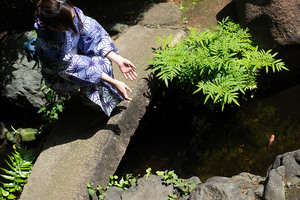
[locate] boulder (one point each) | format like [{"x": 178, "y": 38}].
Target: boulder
[
  {"x": 274, "y": 189},
  {"x": 272, "y": 22},
  {"x": 216, "y": 188},
  {"x": 20, "y": 80},
  {"x": 291, "y": 163},
  {"x": 251, "y": 185},
  {"x": 147, "y": 189},
  {"x": 163, "y": 14},
  {"x": 282, "y": 174}
]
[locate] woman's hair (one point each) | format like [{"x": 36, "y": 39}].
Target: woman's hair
[{"x": 56, "y": 14}]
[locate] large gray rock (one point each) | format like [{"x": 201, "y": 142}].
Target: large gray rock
[
  {"x": 274, "y": 189},
  {"x": 250, "y": 184},
  {"x": 291, "y": 162},
  {"x": 216, "y": 188},
  {"x": 284, "y": 172},
  {"x": 147, "y": 189},
  {"x": 273, "y": 22},
  {"x": 163, "y": 14},
  {"x": 20, "y": 80}
]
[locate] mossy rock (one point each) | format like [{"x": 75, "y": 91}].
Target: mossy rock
[
  {"x": 10, "y": 136},
  {"x": 28, "y": 134}
]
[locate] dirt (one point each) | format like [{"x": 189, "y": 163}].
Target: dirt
[{"x": 202, "y": 13}]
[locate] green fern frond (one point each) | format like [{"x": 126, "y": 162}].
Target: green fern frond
[{"x": 222, "y": 64}]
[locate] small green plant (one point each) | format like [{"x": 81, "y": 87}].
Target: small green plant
[
  {"x": 148, "y": 172},
  {"x": 20, "y": 166},
  {"x": 182, "y": 186},
  {"x": 185, "y": 20},
  {"x": 194, "y": 2},
  {"x": 122, "y": 183},
  {"x": 222, "y": 64},
  {"x": 169, "y": 177},
  {"x": 181, "y": 7},
  {"x": 55, "y": 104}
]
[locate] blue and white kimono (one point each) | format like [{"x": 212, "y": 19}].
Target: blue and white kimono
[{"x": 73, "y": 62}]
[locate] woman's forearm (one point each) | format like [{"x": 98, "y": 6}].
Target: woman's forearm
[
  {"x": 126, "y": 66},
  {"x": 106, "y": 78},
  {"x": 114, "y": 57},
  {"x": 121, "y": 87}
]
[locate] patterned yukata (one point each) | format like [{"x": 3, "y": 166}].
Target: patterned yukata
[{"x": 73, "y": 62}]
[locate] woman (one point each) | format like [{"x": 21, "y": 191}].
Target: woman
[{"x": 76, "y": 54}]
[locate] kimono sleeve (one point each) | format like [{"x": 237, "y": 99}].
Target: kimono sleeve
[{"x": 94, "y": 40}]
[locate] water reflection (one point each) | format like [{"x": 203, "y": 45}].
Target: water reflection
[
  {"x": 172, "y": 135},
  {"x": 241, "y": 142}
]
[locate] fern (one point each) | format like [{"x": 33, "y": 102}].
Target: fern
[
  {"x": 222, "y": 64},
  {"x": 20, "y": 166}
]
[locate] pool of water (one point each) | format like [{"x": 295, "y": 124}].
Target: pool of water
[{"x": 195, "y": 141}]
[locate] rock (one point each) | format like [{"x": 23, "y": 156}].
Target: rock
[
  {"x": 282, "y": 175},
  {"x": 274, "y": 189},
  {"x": 10, "y": 136},
  {"x": 291, "y": 162},
  {"x": 147, "y": 189},
  {"x": 3, "y": 130},
  {"x": 251, "y": 185},
  {"x": 216, "y": 188},
  {"x": 118, "y": 28},
  {"x": 194, "y": 179},
  {"x": 28, "y": 134},
  {"x": 259, "y": 191},
  {"x": 114, "y": 193},
  {"x": 20, "y": 80},
  {"x": 272, "y": 22},
  {"x": 163, "y": 14}
]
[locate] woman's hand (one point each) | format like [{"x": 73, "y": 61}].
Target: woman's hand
[
  {"x": 126, "y": 67},
  {"x": 122, "y": 89}
]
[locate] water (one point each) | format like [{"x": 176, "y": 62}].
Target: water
[{"x": 192, "y": 140}]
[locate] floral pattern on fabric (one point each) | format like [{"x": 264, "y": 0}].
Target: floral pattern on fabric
[{"x": 72, "y": 62}]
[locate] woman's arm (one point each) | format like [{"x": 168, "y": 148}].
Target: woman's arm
[
  {"x": 120, "y": 86},
  {"x": 126, "y": 67}
]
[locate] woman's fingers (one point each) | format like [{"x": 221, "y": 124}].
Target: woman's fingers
[
  {"x": 122, "y": 90},
  {"x": 131, "y": 75},
  {"x": 128, "y": 89}
]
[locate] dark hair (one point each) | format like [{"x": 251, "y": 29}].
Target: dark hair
[{"x": 56, "y": 13}]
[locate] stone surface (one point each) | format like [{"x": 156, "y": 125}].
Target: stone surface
[
  {"x": 147, "y": 189},
  {"x": 163, "y": 14},
  {"x": 291, "y": 162},
  {"x": 274, "y": 189},
  {"x": 20, "y": 80},
  {"x": 86, "y": 146},
  {"x": 3, "y": 130},
  {"x": 250, "y": 185},
  {"x": 274, "y": 22},
  {"x": 216, "y": 188},
  {"x": 114, "y": 193},
  {"x": 282, "y": 175},
  {"x": 118, "y": 28}
]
